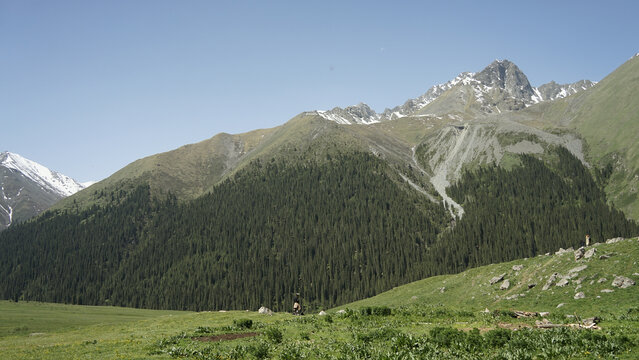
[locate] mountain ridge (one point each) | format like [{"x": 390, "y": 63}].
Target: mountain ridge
[
  {"x": 500, "y": 75},
  {"x": 28, "y": 188}
]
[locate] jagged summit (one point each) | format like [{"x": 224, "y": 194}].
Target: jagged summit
[
  {"x": 356, "y": 114},
  {"x": 505, "y": 75},
  {"x": 501, "y": 86}
]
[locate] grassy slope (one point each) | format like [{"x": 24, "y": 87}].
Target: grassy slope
[
  {"x": 471, "y": 290},
  {"x": 607, "y": 117},
  {"x": 107, "y": 332}
]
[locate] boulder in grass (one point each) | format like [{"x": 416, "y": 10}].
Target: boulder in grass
[
  {"x": 497, "y": 279},
  {"x": 579, "y": 295},
  {"x": 322, "y": 313},
  {"x": 579, "y": 253},
  {"x": 264, "y": 310},
  {"x": 518, "y": 267},
  {"x": 505, "y": 285},
  {"x": 614, "y": 240},
  {"x": 622, "y": 282},
  {"x": 590, "y": 253}
]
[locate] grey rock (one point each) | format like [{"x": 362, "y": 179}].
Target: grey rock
[
  {"x": 532, "y": 285},
  {"x": 442, "y": 289},
  {"x": 579, "y": 253},
  {"x": 560, "y": 305},
  {"x": 578, "y": 269},
  {"x": 341, "y": 311},
  {"x": 591, "y": 321},
  {"x": 544, "y": 313},
  {"x": 579, "y": 295},
  {"x": 602, "y": 280},
  {"x": 550, "y": 281},
  {"x": 590, "y": 253},
  {"x": 563, "y": 282},
  {"x": 623, "y": 282},
  {"x": 607, "y": 291},
  {"x": 563, "y": 251},
  {"x": 497, "y": 279},
  {"x": 614, "y": 240},
  {"x": 505, "y": 285},
  {"x": 604, "y": 257},
  {"x": 518, "y": 267},
  {"x": 322, "y": 313},
  {"x": 265, "y": 310}
]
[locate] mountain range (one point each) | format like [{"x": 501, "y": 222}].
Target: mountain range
[
  {"x": 346, "y": 203},
  {"x": 29, "y": 188}
]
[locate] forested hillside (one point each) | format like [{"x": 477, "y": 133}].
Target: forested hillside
[{"x": 337, "y": 230}]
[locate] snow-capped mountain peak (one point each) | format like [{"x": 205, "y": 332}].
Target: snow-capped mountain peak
[
  {"x": 46, "y": 178},
  {"x": 499, "y": 86}
]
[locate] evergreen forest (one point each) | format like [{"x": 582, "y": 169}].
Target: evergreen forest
[{"x": 335, "y": 230}]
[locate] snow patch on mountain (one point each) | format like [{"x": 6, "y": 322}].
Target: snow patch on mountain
[
  {"x": 501, "y": 79},
  {"x": 46, "y": 178}
]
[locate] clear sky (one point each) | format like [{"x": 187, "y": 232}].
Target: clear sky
[{"x": 87, "y": 87}]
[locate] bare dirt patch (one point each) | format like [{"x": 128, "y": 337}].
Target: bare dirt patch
[{"x": 225, "y": 337}]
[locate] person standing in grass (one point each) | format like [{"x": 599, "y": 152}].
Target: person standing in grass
[{"x": 297, "y": 308}]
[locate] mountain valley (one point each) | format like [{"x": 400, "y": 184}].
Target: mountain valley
[{"x": 344, "y": 204}]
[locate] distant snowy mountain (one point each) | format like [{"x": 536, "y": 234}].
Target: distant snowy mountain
[
  {"x": 28, "y": 188},
  {"x": 501, "y": 86}
]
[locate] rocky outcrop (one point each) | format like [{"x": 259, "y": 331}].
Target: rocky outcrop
[
  {"x": 623, "y": 282},
  {"x": 505, "y": 285},
  {"x": 497, "y": 279}
]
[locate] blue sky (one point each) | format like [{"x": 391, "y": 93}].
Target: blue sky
[{"x": 87, "y": 87}]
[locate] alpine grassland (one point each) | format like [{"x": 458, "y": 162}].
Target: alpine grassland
[{"x": 463, "y": 316}]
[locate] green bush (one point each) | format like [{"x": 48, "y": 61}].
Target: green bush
[
  {"x": 274, "y": 335},
  {"x": 375, "y": 310},
  {"x": 243, "y": 323}
]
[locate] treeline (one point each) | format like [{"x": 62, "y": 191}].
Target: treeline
[
  {"x": 529, "y": 210},
  {"x": 336, "y": 231}
]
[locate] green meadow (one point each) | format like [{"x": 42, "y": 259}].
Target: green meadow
[{"x": 459, "y": 316}]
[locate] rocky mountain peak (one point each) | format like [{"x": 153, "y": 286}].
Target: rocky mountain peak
[
  {"x": 505, "y": 75},
  {"x": 500, "y": 86}
]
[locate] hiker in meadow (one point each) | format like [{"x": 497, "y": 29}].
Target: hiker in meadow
[
  {"x": 297, "y": 308},
  {"x": 587, "y": 240}
]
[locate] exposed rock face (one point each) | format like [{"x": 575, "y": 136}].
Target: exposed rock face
[
  {"x": 590, "y": 253},
  {"x": 552, "y": 90},
  {"x": 497, "y": 279},
  {"x": 532, "y": 285},
  {"x": 578, "y": 269},
  {"x": 563, "y": 282},
  {"x": 622, "y": 282},
  {"x": 579, "y": 253},
  {"x": 505, "y": 285},
  {"x": 506, "y": 75},
  {"x": 550, "y": 281},
  {"x": 563, "y": 251},
  {"x": 614, "y": 240},
  {"x": 322, "y": 313},
  {"x": 518, "y": 267},
  {"x": 579, "y": 295}
]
